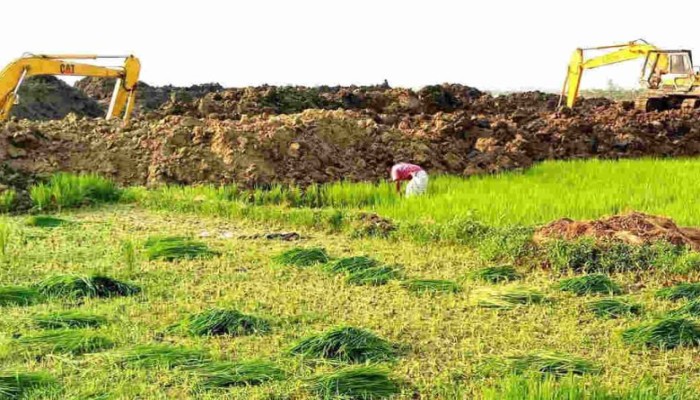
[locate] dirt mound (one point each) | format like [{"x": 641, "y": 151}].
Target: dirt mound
[
  {"x": 634, "y": 228},
  {"x": 47, "y": 97}
]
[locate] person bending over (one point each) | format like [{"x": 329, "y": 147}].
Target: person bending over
[{"x": 410, "y": 172}]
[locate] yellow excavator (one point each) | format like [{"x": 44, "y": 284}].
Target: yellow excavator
[
  {"x": 124, "y": 96},
  {"x": 668, "y": 77}
]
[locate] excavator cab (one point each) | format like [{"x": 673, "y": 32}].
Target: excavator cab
[{"x": 668, "y": 68}]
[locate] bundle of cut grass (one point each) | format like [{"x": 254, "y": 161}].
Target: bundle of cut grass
[
  {"x": 691, "y": 309},
  {"x": 352, "y": 265},
  {"x": 512, "y": 298},
  {"x": 223, "y": 374},
  {"x": 163, "y": 355},
  {"x": 66, "y": 341},
  {"x": 613, "y": 308},
  {"x": 85, "y": 286},
  {"x": 359, "y": 382},
  {"x": 374, "y": 276},
  {"x": 45, "y": 221},
  {"x": 18, "y": 296},
  {"x": 666, "y": 333},
  {"x": 590, "y": 284},
  {"x": 431, "y": 286},
  {"x": 496, "y": 274},
  {"x": 346, "y": 344},
  {"x": 69, "y": 319},
  {"x": 15, "y": 385},
  {"x": 690, "y": 291},
  {"x": 173, "y": 248},
  {"x": 554, "y": 363},
  {"x": 302, "y": 257},
  {"x": 218, "y": 321}
]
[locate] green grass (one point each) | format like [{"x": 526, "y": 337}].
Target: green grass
[
  {"x": 16, "y": 385},
  {"x": 69, "y": 319},
  {"x": 162, "y": 355},
  {"x": 68, "y": 191},
  {"x": 360, "y": 382},
  {"x": 431, "y": 286},
  {"x": 220, "y": 321},
  {"x": 691, "y": 309},
  {"x": 45, "y": 221},
  {"x": 8, "y": 198},
  {"x": 224, "y": 374},
  {"x": 85, "y": 286},
  {"x": 552, "y": 363},
  {"x": 352, "y": 265},
  {"x": 613, "y": 308},
  {"x": 665, "y": 333},
  {"x": 173, "y": 248},
  {"x": 590, "y": 284},
  {"x": 346, "y": 344},
  {"x": 302, "y": 257},
  {"x": 71, "y": 341},
  {"x": 689, "y": 291},
  {"x": 496, "y": 274},
  {"x": 18, "y": 296}
]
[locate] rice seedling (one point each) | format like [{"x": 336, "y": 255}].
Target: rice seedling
[
  {"x": 613, "y": 308},
  {"x": 69, "y": 319},
  {"x": 590, "y": 284},
  {"x": 7, "y": 200},
  {"x": 218, "y": 321},
  {"x": 41, "y": 196},
  {"x": 68, "y": 190},
  {"x": 224, "y": 374},
  {"x": 374, "y": 276},
  {"x": 665, "y": 333},
  {"x": 14, "y": 385},
  {"x": 690, "y": 291},
  {"x": 71, "y": 341},
  {"x": 352, "y": 264},
  {"x": 357, "y": 382},
  {"x": 85, "y": 286},
  {"x": 45, "y": 221},
  {"x": 553, "y": 363},
  {"x": 18, "y": 296},
  {"x": 511, "y": 298},
  {"x": 346, "y": 344},
  {"x": 431, "y": 286},
  {"x": 173, "y": 248},
  {"x": 691, "y": 309},
  {"x": 496, "y": 274},
  {"x": 302, "y": 257},
  {"x": 162, "y": 355}
]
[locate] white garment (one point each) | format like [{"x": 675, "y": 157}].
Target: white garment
[{"x": 418, "y": 184}]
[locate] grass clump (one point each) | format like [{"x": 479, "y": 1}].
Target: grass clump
[
  {"x": 85, "y": 286},
  {"x": 666, "y": 333},
  {"x": 346, "y": 344},
  {"x": 690, "y": 291},
  {"x": 224, "y": 374},
  {"x": 66, "y": 341},
  {"x": 173, "y": 248},
  {"x": 45, "y": 221},
  {"x": 374, "y": 276},
  {"x": 613, "y": 308},
  {"x": 163, "y": 355},
  {"x": 14, "y": 385},
  {"x": 431, "y": 286},
  {"x": 691, "y": 309},
  {"x": 552, "y": 363},
  {"x": 359, "y": 382},
  {"x": 512, "y": 298},
  {"x": 68, "y": 320},
  {"x": 303, "y": 257},
  {"x": 68, "y": 190},
  {"x": 496, "y": 274},
  {"x": 18, "y": 296},
  {"x": 590, "y": 284},
  {"x": 218, "y": 321},
  {"x": 352, "y": 265},
  {"x": 7, "y": 200}
]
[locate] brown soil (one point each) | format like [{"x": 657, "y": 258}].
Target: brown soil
[{"x": 634, "y": 228}]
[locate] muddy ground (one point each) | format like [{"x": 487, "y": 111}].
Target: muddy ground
[{"x": 261, "y": 135}]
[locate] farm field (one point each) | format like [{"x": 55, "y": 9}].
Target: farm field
[{"x": 185, "y": 294}]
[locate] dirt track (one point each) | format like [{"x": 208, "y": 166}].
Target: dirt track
[{"x": 303, "y": 135}]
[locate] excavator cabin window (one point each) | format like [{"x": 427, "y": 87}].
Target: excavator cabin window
[{"x": 680, "y": 64}]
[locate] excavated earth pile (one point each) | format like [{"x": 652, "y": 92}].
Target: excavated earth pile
[{"x": 261, "y": 135}]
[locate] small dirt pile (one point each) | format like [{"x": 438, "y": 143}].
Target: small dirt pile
[
  {"x": 634, "y": 228},
  {"x": 47, "y": 97}
]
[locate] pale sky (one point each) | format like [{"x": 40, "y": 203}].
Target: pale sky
[{"x": 489, "y": 44}]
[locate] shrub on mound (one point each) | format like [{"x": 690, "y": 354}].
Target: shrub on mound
[
  {"x": 496, "y": 274},
  {"x": 666, "y": 333},
  {"x": 85, "y": 286},
  {"x": 688, "y": 291},
  {"x": 15, "y": 385},
  {"x": 66, "y": 341},
  {"x": 173, "y": 248},
  {"x": 69, "y": 319},
  {"x": 18, "y": 296},
  {"x": 346, "y": 344},
  {"x": 223, "y": 374},
  {"x": 163, "y": 355},
  {"x": 590, "y": 284},
  {"x": 613, "y": 308},
  {"x": 359, "y": 382},
  {"x": 218, "y": 321},
  {"x": 554, "y": 363},
  {"x": 431, "y": 286}
]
